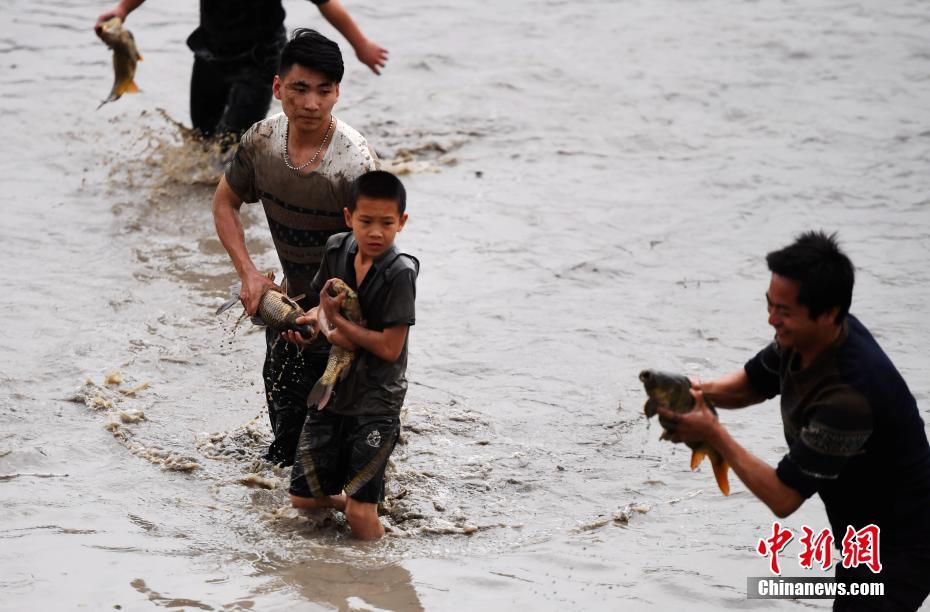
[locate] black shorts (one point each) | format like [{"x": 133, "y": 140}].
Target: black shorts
[{"x": 343, "y": 453}]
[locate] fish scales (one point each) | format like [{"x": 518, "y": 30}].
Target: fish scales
[
  {"x": 340, "y": 359},
  {"x": 125, "y": 57},
  {"x": 673, "y": 391},
  {"x": 280, "y": 313}
]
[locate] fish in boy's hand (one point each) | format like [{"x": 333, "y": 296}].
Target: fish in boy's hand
[{"x": 340, "y": 359}]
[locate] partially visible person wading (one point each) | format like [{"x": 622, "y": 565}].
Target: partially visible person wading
[{"x": 236, "y": 49}]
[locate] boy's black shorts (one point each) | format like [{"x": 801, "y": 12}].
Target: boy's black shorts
[{"x": 343, "y": 453}]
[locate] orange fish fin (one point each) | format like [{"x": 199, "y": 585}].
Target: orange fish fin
[
  {"x": 132, "y": 87},
  {"x": 721, "y": 467},
  {"x": 697, "y": 455},
  {"x": 139, "y": 58}
]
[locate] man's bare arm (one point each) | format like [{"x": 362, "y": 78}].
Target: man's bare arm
[
  {"x": 121, "y": 10},
  {"x": 368, "y": 52},
  {"x": 731, "y": 390},
  {"x": 226, "y": 205},
  {"x": 758, "y": 476},
  {"x": 700, "y": 425}
]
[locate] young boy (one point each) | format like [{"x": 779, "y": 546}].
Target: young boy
[{"x": 343, "y": 449}]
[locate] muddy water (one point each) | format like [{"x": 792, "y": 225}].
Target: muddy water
[{"x": 593, "y": 186}]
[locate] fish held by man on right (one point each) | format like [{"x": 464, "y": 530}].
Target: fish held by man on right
[
  {"x": 673, "y": 391},
  {"x": 340, "y": 359},
  {"x": 125, "y": 56}
]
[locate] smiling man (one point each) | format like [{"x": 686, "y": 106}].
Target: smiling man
[
  {"x": 300, "y": 164},
  {"x": 854, "y": 434}
]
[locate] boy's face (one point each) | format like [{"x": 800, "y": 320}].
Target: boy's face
[
  {"x": 307, "y": 97},
  {"x": 374, "y": 223}
]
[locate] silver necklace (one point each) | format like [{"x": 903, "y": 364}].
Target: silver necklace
[{"x": 287, "y": 159}]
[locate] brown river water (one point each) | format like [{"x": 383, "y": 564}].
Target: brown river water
[{"x": 593, "y": 186}]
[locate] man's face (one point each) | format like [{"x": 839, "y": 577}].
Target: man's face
[
  {"x": 374, "y": 223},
  {"x": 307, "y": 97},
  {"x": 794, "y": 327}
]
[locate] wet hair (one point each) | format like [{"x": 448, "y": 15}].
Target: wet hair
[
  {"x": 825, "y": 274},
  {"x": 314, "y": 51},
  {"x": 379, "y": 185}
]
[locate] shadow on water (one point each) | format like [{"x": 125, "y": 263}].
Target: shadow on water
[{"x": 347, "y": 587}]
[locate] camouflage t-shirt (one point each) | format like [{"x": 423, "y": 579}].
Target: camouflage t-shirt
[{"x": 303, "y": 209}]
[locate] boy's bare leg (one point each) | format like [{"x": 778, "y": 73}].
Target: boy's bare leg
[
  {"x": 331, "y": 501},
  {"x": 363, "y": 519}
]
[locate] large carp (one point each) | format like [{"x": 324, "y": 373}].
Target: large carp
[
  {"x": 280, "y": 313},
  {"x": 340, "y": 359},
  {"x": 275, "y": 310},
  {"x": 125, "y": 56},
  {"x": 673, "y": 391}
]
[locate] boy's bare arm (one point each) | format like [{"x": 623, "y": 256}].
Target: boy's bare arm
[{"x": 386, "y": 345}]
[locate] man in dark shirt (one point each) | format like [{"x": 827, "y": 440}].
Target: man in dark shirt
[
  {"x": 853, "y": 430},
  {"x": 236, "y": 50},
  {"x": 344, "y": 448}
]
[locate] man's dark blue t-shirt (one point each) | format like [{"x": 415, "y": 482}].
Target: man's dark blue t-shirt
[{"x": 854, "y": 434}]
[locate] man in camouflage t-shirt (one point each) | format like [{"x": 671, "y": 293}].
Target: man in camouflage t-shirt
[{"x": 299, "y": 165}]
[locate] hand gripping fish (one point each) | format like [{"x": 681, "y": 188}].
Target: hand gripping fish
[
  {"x": 275, "y": 310},
  {"x": 337, "y": 367},
  {"x": 673, "y": 391},
  {"x": 125, "y": 56}
]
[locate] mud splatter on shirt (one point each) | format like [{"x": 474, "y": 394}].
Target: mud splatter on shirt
[{"x": 303, "y": 208}]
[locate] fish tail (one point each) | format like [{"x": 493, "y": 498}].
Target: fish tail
[
  {"x": 320, "y": 394},
  {"x": 335, "y": 371},
  {"x": 129, "y": 87},
  {"x": 721, "y": 467},
  {"x": 697, "y": 455}
]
